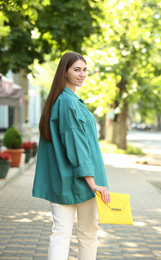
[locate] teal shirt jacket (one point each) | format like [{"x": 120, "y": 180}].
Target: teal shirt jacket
[{"x": 73, "y": 154}]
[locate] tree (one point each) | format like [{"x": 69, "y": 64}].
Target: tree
[
  {"x": 129, "y": 54},
  {"x": 17, "y": 49},
  {"x": 39, "y": 27},
  {"x": 136, "y": 45}
]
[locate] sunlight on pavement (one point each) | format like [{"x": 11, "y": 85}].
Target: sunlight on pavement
[
  {"x": 36, "y": 216},
  {"x": 152, "y": 151},
  {"x": 144, "y": 136},
  {"x": 127, "y": 161},
  {"x": 23, "y": 220},
  {"x": 130, "y": 244},
  {"x": 153, "y": 221},
  {"x": 140, "y": 224},
  {"x": 158, "y": 254},
  {"x": 102, "y": 233},
  {"x": 158, "y": 229}
]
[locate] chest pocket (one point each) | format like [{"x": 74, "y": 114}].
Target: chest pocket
[{"x": 90, "y": 121}]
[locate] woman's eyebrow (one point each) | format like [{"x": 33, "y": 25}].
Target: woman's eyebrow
[{"x": 80, "y": 67}]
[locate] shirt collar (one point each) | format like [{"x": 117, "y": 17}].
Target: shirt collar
[{"x": 70, "y": 92}]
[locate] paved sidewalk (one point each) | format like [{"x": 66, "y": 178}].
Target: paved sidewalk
[
  {"x": 15, "y": 171},
  {"x": 25, "y": 222}
]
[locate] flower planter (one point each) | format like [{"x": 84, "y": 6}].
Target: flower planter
[
  {"x": 4, "y": 167},
  {"x": 16, "y": 156},
  {"x": 28, "y": 154},
  {"x": 27, "y": 146},
  {"x": 34, "y": 150}
]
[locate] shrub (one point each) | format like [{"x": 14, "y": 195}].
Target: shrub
[
  {"x": 112, "y": 148},
  {"x": 12, "y": 138}
]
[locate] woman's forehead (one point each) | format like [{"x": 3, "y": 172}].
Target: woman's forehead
[{"x": 79, "y": 63}]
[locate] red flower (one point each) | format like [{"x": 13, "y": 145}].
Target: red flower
[
  {"x": 34, "y": 143},
  {"x": 5, "y": 156},
  {"x": 27, "y": 145}
]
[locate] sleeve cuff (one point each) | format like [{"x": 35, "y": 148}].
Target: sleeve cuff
[{"x": 83, "y": 171}]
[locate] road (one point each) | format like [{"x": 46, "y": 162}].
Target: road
[{"x": 150, "y": 142}]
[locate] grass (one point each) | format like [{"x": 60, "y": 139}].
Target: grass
[{"x": 112, "y": 148}]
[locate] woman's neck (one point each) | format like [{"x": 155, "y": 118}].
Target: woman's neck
[{"x": 72, "y": 87}]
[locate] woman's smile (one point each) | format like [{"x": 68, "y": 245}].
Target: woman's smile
[{"x": 76, "y": 75}]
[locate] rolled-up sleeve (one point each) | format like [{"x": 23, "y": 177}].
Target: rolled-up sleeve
[{"x": 78, "y": 152}]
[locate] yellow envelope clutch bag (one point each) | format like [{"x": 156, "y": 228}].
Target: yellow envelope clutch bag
[{"x": 118, "y": 211}]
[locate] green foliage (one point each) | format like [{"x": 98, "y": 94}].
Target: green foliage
[
  {"x": 124, "y": 60},
  {"x": 68, "y": 22},
  {"x": 134, "y": 150},
  {"x": 12, "y": 138},
  {"x": 4, "y": 30},
  {"x": 111, "y": 148},
  {"x": 18, "y": 49},
  {"x": 133, "y": 47},
  {"x": 43, "y": 27}
]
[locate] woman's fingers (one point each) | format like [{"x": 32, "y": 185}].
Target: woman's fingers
[{"x": 105, "y": 194}]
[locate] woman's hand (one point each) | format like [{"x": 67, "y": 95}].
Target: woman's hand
[
  {"x": 104, "y": 193},
  {"x": 103, "y": 190}
]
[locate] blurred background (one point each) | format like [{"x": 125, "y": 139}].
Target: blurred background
[{"x": 121, "y": 41}]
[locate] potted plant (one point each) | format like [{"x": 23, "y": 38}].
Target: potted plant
[
  {"x": 35, "y": 148},
  {"x": 27, "y": 146},
  {"x": 12, "y": 140},
  {"x": 5, "y": 160}
]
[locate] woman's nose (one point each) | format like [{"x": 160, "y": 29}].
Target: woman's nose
[{"x": 83, "y": 73}]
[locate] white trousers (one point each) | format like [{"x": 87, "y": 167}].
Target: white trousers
[{"x": 63, "y": 219}]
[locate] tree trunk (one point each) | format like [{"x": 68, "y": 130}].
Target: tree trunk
[
  {"x": 119, "y": 124},
  {"x": 114, "y": 136},
  {"x": 122, "y": 129},
  {"x": 158, "y": 122},
  {"x": 121, "y": 117},
  {"x": 102, "y": 127}
]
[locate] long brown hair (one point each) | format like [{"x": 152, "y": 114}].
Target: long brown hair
[{"x": 57, "y": 88}]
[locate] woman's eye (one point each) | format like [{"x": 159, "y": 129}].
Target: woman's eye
[{"x": 85, "y": 69}]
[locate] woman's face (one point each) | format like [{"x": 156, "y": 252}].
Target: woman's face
[{"x": 76, "y": 74}]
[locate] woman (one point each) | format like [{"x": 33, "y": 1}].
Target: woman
[{"x": 69, "y": 164}]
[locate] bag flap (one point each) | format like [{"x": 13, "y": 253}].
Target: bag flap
[{"x": 118, "y": 200}]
